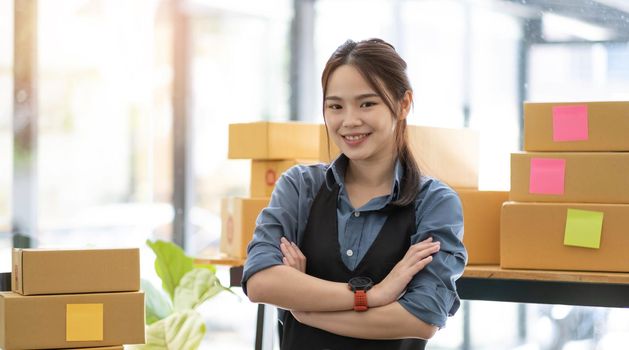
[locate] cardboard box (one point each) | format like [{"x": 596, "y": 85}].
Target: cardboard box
[
  {"x": 590, "y": 177},
  {"x": 264, "y": 174},
  {"x": 576, "y": 126},
  {"x": 274, "y": 140},
  {"x": 481, "y": 214},
  {"x": 71, "y": 320},
  {"x": 48, "y": 271},
  {"x": 328, "y": 151},
  {"x": 238, "y": 216},
  {"x": 450, "y": 155},
  {"x": 532, "y": 237}
]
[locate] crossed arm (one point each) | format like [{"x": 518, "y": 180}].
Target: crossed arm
[{"x": 328, "y": 305}]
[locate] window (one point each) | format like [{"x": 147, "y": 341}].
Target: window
[
  {"x": 6, "y": 122},
  {"x": 103, "y": 120},
  {"x": 239, "y": 73}
]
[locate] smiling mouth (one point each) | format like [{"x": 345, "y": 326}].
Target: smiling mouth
[{"x": 355, "y": 137}]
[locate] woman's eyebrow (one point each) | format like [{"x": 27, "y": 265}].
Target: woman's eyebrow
[
  {"x": 358, "y": 97},
  {"x": 368, "y": 95}
]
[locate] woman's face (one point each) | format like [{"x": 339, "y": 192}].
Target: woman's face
[{"x": 358, "y": 120}]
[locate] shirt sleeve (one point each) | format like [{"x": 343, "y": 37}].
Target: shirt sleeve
[
  {"x": 431, "y": 295},
  {"x": 282, "y": 217}
]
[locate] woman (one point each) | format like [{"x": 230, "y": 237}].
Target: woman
[{"x": 363, "y": 253}]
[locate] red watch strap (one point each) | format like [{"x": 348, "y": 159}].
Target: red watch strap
[{"x": 360, "y": 301}]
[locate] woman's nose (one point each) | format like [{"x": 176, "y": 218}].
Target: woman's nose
[{"x": 351, "y": 119}]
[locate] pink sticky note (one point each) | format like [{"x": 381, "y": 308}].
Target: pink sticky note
[
  {"x": 547, "y": 176},
  {"x": 570, "y": 123}
]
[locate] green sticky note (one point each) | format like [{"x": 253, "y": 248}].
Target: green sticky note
[{"x": 583, "y": 228}]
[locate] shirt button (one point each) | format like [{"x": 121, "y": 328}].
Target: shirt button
[
  {"x": 356, "y": 213},
  {"x": 349, "y": 252}
]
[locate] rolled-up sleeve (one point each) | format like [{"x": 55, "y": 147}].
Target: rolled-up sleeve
[
  {"x": 431, "y": 296},
  {"x": 281, "y": 218}
]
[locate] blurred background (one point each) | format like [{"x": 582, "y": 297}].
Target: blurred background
[{"x": 114, "y": 116}]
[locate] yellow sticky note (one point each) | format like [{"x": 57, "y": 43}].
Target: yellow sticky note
[
  {"x": 84, "y": 322},
  {"x": 583, "y": 228}
]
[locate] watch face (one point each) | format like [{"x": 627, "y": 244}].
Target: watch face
[{"x": 361, "y": 283}]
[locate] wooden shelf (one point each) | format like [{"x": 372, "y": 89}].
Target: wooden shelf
[
  {"x": 219, "y": 260},
  {"x": 496, "y": 272},
  {"x": 492, "y": 283}
]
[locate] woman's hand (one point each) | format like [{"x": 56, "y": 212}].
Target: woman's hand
[
  {"x": 416, "y": 258},
  {"x": 293, "y": 256}
]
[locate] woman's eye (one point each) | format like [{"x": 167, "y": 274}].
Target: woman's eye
[
  {"x": 368, "y": 104},
  {"x": 334, "y": 106}
]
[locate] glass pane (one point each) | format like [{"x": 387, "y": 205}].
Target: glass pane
[
  {"x": 104, "y": 123},
  {"x": 6, "y": 130},
  {"x": 580, "y": 72},
  {"x": 239, "y": 73}
]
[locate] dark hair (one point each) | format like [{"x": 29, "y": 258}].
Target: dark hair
[{"x": 385, "y": 71}]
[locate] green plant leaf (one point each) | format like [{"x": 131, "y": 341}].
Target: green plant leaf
[
  {"x": 171, "y": 263},
  {"x": 157, "y": 306},
  {"x": 180, "y": 330},
  {"x": 197, "y": 286}
]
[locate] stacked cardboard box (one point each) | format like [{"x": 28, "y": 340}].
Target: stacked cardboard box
[
  {"x": 450, "y": 155},
  {"x": 272, "y": 148},
  {"x": 569, "y": 190},
  {"x": 73, "y": 299},
  {"x": 481, "y": 214}
]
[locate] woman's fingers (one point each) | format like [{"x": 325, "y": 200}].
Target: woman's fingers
[
  {"x": 292, "y": 255},
  {"x": 288, "y": 256},
  {"x": 300, "y": 256},
  {"x": 420, "y": 251},
  {"x": 419, "y": 265}
]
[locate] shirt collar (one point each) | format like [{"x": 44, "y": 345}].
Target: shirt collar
[{"x": 335, "y": 174}]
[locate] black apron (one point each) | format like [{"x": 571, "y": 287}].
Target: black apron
[{"x": 321, "y": 247}]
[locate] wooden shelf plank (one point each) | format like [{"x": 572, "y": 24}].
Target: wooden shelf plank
[
  {"x": 495, "y": 272},
  {"x": 219, "y": 260}
]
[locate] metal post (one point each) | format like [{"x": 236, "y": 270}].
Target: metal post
[
  {"x": 24, "y": 189},
  {"x": 398, "y": 26},
  {"x": 522, "y": 326},
  {"x": 182, "y": 120},
  {"x": 302, "y": 76},
  {"x": 265, "y": 327},
  {"x": 531, "y": 33},
  {"x": 467, "y": 332},
  {"x": 467, "y": 63}
]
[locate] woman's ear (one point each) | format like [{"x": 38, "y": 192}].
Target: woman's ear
[{"x": 405, "y": 105}]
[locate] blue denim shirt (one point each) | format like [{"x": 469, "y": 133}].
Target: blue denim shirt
[{"x": 431, "y": 295}]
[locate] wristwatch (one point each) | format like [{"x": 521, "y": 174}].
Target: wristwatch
[{"x": 360, "y": 286}]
